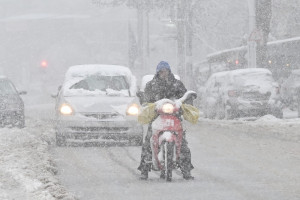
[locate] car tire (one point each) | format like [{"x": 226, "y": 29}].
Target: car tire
[
  {"x": 277, "y": 112},
  {"x": 220, "y": 113},
  {"x": 20, "y": 122},
  {"x": 60, "y": 140},
  {"x": 229, "y": 114}
]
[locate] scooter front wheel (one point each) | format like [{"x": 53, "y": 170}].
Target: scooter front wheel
[{"x": 168, "y": 157}]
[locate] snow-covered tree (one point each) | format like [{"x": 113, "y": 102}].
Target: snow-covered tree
[{"x": 285, "y": 19}]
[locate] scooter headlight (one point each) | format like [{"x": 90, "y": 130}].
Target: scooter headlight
[
  {"x": 168, "y": 108},
  {"x": 133, "y": 110},
  {"x": 66, "y": 109}
]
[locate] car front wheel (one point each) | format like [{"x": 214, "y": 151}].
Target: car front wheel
[
  {"x": 221, "y": 109},
  {"x": 230, "y": 114},
  {"x": 20, "y": 121}
]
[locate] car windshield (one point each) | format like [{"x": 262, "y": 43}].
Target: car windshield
[
  {"x": 6, "y": 88},
  {"x": 99, "y": 84}
]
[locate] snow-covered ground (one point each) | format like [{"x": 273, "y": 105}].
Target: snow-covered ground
[
  {"x": 29, "y": 171},
  {"x": 234, "y": 160}
]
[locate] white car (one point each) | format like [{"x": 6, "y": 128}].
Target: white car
[
  {"x": 242, "y": 93},
  {"x": 95, "y": 104}
]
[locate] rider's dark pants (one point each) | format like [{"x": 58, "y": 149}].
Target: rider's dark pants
[{"x": 185, "y": 154}]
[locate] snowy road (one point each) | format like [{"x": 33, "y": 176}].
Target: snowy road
[{"x": 233, "y": 160}]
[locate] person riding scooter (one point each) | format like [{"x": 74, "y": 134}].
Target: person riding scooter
[{"x": 164, "y": 86}]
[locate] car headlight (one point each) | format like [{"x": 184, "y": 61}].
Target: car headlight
[
  {"x": 168, "y": 108},
  {"x": 133, "y": 110},
  {"x": 66, "y": 109}
]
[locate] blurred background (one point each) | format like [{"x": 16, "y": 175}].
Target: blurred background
[{"x": 41, "y": 39}]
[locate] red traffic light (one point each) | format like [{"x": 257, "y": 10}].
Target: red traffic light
[{"x": 44, "y": 64}]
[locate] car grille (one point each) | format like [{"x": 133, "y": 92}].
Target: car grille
[
  {"x": 100, "y": 129},
  {"x": 103, "y": 115},
  {"x": 256, "y": 96}
]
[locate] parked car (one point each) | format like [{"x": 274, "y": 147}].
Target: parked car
[
  {"x": 11, "y": 104},
  {"x": 289, "y": 90},
  {"x": 145, "y": 79},
  {"x": 242, "y": 93},
  {"x": 212, "y": 92},
  {"x": 94, "y": 104}
]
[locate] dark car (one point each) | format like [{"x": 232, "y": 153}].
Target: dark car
[{"x": 11, "y": 104}]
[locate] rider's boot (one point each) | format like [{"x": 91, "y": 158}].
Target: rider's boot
[
  {"x": 144, "y": 175},
  {"x": 187, "y": 176}
]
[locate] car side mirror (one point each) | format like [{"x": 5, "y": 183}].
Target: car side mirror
[{"x": 54, "y": 95}]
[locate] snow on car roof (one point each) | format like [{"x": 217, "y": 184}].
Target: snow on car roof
[
  {"x": 260, "y": 77},
  {"x": 219, "y": 74},
  {"x": 78, "y": 72},
  {"x": 105, "y": 70},
  {"x": 250, "y": 70}
]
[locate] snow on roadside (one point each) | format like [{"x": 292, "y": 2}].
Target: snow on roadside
[
  {"x": 284, "y": 129},
  {"x": 27, "y": 169}
]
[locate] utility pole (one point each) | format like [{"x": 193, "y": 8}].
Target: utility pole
[
  {"x": 185, "y": 41},
  {"x": 181, "y": 40},
  {"x": 140, "y": 38},
  {"x": 189, "y": 46},
  {"x": 252, "y": 29},
  {"x": 143, "y": 41},
  {"x": 263, "y": 20}
]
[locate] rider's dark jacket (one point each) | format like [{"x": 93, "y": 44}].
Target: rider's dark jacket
[{"x": 158, "y": 89}]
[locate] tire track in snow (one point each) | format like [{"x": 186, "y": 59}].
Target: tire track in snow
[
  {"x": 114, "y": 158},
  {"x": 228, "y": 184},
  {"x": 129, "y": 154}
]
